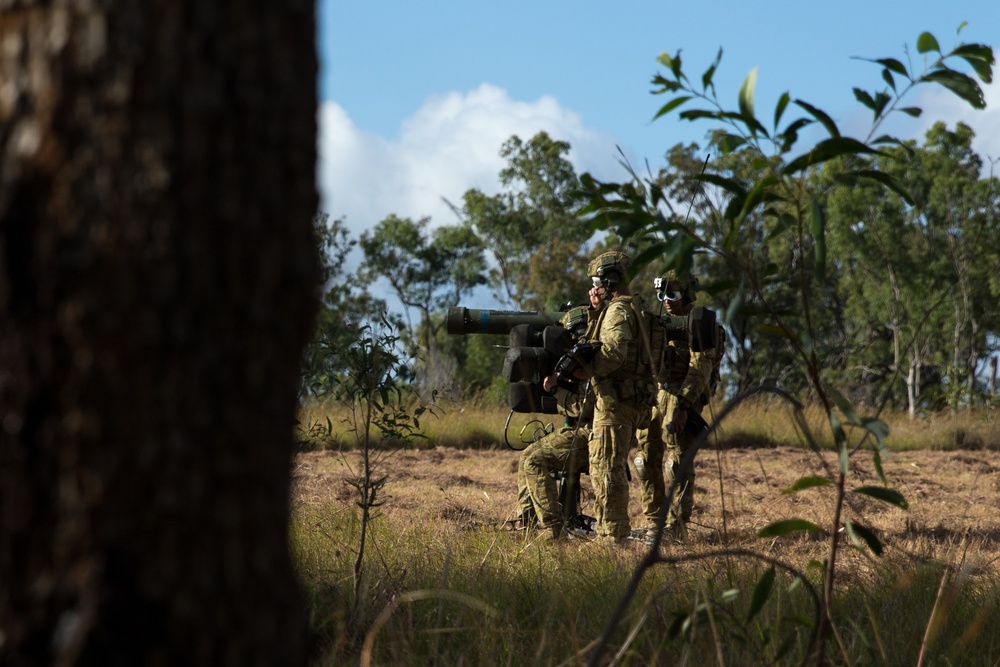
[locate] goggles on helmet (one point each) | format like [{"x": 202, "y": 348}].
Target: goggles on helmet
[{"x": 669, "y": 295}]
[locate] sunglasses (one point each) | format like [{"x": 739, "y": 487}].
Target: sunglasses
[
  {"x": 669, "y": 295},
  {"x": 597, "y": 281}
]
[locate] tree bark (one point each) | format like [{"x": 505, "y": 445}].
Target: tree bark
[{"x": 157, "y": 283}]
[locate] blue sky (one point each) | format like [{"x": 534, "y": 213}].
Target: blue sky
[{"x": 417, "y": 97}]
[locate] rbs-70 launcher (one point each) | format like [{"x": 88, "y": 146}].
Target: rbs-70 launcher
[{"x": 538, "y": 343}]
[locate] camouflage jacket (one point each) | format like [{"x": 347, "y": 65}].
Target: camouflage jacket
[{"x": 619, "y": 367}]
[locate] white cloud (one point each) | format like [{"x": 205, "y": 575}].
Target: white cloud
[{"x": 452, "y": 143}]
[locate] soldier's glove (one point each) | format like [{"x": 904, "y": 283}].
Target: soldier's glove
[
  {"x": 579, "y": 356},
  {"x": 680, "y": 417}
]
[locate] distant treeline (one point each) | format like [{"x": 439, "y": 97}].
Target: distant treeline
[{"x": 903, "y": 290}]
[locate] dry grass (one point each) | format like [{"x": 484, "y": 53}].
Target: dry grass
[
  {"x": 448, "y": 505},
  {"x": 758, "y": 424},
  {"x": 953, "y": 497}
]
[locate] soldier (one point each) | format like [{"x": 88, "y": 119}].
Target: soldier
[
  {"x": 685, "y": 387},
  {"x": 560, "y": 452},
  {"x": 622, "y": 382}
]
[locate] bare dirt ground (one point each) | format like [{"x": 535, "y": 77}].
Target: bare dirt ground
[{"x": 953, "y": 497}]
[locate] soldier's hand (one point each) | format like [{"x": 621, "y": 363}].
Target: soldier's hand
[
  {"x": 596, "y": 301},
  {"x": 680, "y": 419}
]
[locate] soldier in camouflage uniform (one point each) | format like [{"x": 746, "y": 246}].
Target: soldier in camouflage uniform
[
  {"x": 685, "y": 381},
  {"x": 622, "y": 383},
  {"x": 561, "y": 451}
]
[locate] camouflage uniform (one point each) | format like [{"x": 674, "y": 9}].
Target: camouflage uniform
[
  {"x": 686, "y": 376},
  {"x": 623, "y": 386},
  {"x": 560, "y": 451},
  {"x": 564, "y": 450}
]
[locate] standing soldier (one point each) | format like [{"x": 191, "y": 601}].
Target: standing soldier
[
  {"x": 685, "y": 387},
  {"x": 622, "y": 383}
]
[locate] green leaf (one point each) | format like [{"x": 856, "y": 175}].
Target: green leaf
[
  {"x": 786, "y": 526},
  {"x": 746, "y": 96},
  {"x": 926, "y": 42},
  {"x": 962, "y": 85},
  {"x": 673, "y": 63},
  {"x": 735, "y": 305},
  {"x": 881, "y": 100},
  {"x": 671, "y": 105},
  {"x": 911, "y": 111},
  {"x": 888, "y": 180},
  {"x": 666, "y": 85},
  {"x": 760, "y": 192},
  {"x": 791, "y": 133},
  {"x": 980, "y": 57},
  {"x": 806, "y": 483},
  {"x": 877, "y": 462},
  {"x": 821, "y": 116},
  {"x": 730, "y": 184},
  {"x": 890, "y": 64},
  {"x": 761, "y": 592},
  {"x": 779, "y": 108},
  {"x": 699, "y": 114},
  {"x": 827, "y": 150},
  {"x": 889, "y": 139},
  {"x": 730, "y": 142},
  {"x": 706, "y": 78},
  {"x": 878, "y": 428},
  {"x": 890, "y": 496},
  {"x": 858, "y": 533},
  {"x": 864, "y": 97},
  {"x": 845, "y": 406},
  {"x": 887, "y": 76}
]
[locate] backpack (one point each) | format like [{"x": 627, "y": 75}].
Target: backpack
[{"x": 655, "y": 335}]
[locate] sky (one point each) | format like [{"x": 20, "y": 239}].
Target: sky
[{"x": 418, "y": 97}]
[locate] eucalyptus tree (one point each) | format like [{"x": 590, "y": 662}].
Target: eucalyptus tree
[
  {"x": 917, "y": 275},
  {"x": 783, "y": 193},
  {"x": 959, "y": 212},
  {"x": 428, "y": 271},
  {"x": 530, "y": 229},
  {"x": 346, "y": 306}
]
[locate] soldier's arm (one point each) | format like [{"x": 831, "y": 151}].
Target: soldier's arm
[
  {"x": 698, "y": 378},
  {"x": 616, "y": 335}
]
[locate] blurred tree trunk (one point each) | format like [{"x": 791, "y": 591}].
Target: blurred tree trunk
[{"x": 157, "y": 284}]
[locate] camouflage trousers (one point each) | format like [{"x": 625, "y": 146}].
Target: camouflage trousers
[
  {"x": 613, "y": 436},
  {"x": 564, "y": 450},
  {"x": 658, "y": 457}
]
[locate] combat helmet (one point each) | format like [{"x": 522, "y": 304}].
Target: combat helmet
[
  {"x": 575, "y": 320},
  {"x": 609, "y": 268},
  {"x": 688, "y": 290}
]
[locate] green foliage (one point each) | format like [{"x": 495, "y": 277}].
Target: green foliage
[
  {"x": 373, "y": 390},
  {"x": 531, "y": 229},
  {"x": 344, "y": 306},
  {"x": 767, "y": 220},
  {"x": 428, "y": 272}
]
